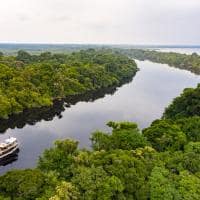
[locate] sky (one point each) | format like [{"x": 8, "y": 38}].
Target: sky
[{"x": 167, "y": 22}]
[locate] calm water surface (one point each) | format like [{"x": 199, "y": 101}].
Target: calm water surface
[
  {"x": 188, "y": 51},
  {"x": 142, "y": 101}
]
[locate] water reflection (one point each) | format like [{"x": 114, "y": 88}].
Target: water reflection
[
  {"x": 142, "y": 101},
  {"x": 32, "y": 116}
]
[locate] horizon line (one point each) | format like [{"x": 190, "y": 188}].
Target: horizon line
[{"x": 98, "y": 44}]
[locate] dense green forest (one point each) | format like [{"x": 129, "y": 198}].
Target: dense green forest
[
  {"x": 182, "y": 61},
  {"x": 186, "y": 105},
  {"x": 31, "y": 81},
  {"x": 159, "y": 162}
]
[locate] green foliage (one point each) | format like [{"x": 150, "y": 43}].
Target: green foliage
[
  {"x": 27, "y": 184},
  {"x": 23, "y": 56},
  {"x": 116, "y": 174},
  {"x": 164, "y": 136},
  {"x": 161, "y": 187},
  {"x": 192, "y": 157},
  {"x": 59, "y": 158},
  {"x": 29, "y": 81},
  {"x": 168, "y": 186},
  {"x": 189, "y": 186},
  {"x": 4, "y": 198},
  {"x": 140, "y": 174},
  {"x": 190, "y": 126},
  {"x": 186, "y": 105},
  {"x": 161, "y": 162},
  {"x": 182, "y": 61},
  {"x": 65, "y": 191},
  {"x": 125, "y": 135},
  {"x": 95, "y": 183}
]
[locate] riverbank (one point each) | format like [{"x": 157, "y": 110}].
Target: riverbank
[
  {"x": 178, "y": 60},
  {"x": 125, "y": 162},
  {"x": 33, "y": 81},
  {"x": 33, "y": 115},
  {"x": 154, "y": 86}
]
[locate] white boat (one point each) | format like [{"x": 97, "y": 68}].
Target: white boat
[{"x": 8, "y": 147}]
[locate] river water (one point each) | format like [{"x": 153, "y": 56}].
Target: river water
[{"x": 142, "y": 101}]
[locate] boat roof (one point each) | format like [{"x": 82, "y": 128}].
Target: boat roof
[
  {"x": 7, "y": 141},
  {"x": 10, "y": 140},
  {"x": 2, "y": 145}
]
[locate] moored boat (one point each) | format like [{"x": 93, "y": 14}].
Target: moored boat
[{"x": 8, "y": 147}]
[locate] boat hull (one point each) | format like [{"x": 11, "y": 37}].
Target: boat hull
[
  {"x": 12, "y": 151},
  {"x": 9, "y": 158}
]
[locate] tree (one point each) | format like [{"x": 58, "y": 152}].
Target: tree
[
  {"x": 121, "y": 165},
  {"x": 66, "y": 191},
  {"x": 161, "y": 187},
  {"x": 5, "y": 106},
  {"x": 186, "y": 105},
  {"x": 164, "y": 135},
  {"x": 94, "y": 183},
  {"x": 32, "y": 81},
  {"x": 23, "y": 56},
  {"x": 23, "y": 184},
  {"x": 1, "y": 54},
  {"x": 189, "y": 186},
  {"x": 182, "y": 61},
  {"x": 125, "y": 135},
  {"x": 59, "y": 158},
  {"x": 191, "y": 160},
  {"x": 191, "y": 127}
]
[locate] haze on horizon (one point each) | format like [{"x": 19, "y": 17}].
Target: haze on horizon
[{"x": 101, "y": 21}]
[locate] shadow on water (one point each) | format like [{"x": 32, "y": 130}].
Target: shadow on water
[{"x": 34, "y": 115}]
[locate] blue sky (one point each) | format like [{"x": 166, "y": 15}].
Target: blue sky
[{"x": 101, "y": 21}]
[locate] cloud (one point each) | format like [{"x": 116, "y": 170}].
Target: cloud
[
  {"x": 101, "y": 21},
  {"x": 23, "y": 17}
]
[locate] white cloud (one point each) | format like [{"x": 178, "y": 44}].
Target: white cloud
[{"x": 100, "y": 21}]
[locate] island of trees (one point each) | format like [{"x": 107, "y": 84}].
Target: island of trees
[
  {"x": 182, "y": 61},
  {"x": 32, "y": 81},
  {"x": 159, "y": 162}
]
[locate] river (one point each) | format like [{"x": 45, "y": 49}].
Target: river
[{"x": 142, "y": 101}]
